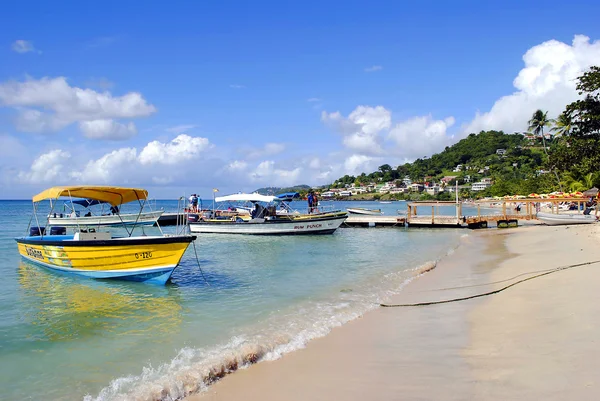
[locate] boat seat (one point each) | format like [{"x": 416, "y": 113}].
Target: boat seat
[
  {"x": 99, "y": 236},
  {"x": 58, "y": 230}
]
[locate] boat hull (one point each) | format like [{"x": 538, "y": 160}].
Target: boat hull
[
  {"x": 300, "y": 225},
  {"x": 147, "y": 259},
  {"x": 364, "y": 211},
  {"x": 565, "y": 219},
  {"x": 146, "y": 219}
]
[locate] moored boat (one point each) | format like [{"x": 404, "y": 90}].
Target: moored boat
[
  {"x": 273, "y": 219},
  {"x": 553, "y": 219},
  {"x": 72, "y": 217},
  {"x": 100, "y": 254},
  {"x": 361, "y": 210}
]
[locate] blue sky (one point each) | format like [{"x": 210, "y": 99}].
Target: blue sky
[{"x": 269, "y": 93}]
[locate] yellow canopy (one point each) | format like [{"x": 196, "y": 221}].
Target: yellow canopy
[{"x": 113, "y": 195}]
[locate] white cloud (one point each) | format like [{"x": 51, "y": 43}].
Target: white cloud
[
  {"x": 120, "y": 162},
  {"x": 180, "y": 129},
  {"x": 182, "y": 148},
  {"x": 269, "y": 149},
  {"x": 237, "y": 165},
  {"x": 268, "y": 172},
  {"x": 313, "y": 99},
  {"x": 107, "y": 129},
  {"x": 124, "y": 166},
  {"x": 23, "y": 46},
  {"x": 547, "y": 82},
  {"x": 236, "y": 86},
  {"x": 374, "y": 68},
  {"x": 63, "y": 104},
  {"x": 49, "y": 167},
  {"x": 421, "y": 136},
  {"x": 362, "y": 127},
  {"x": 356, "y": 164}
]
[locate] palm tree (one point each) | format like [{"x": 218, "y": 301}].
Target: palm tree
[
  {"x": 562, "y": 125},
  {"x": 538, "y": 121}
]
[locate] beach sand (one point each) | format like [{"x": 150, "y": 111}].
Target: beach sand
[{"x": 538, "y": 339}]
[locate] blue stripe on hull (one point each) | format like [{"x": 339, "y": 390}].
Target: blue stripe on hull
[{"x": 159, "y": 275}]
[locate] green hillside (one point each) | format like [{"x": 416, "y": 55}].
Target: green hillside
[
  {"x": 278, "y": 190},
  {"x": 514, "y": 162}
]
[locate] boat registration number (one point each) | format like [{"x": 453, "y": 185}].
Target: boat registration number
[
  {"x": 143, "y": 255},
  {"x": 35, "y": 253}
]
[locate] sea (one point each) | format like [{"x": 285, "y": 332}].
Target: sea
[{"x": 233, "y": 301}]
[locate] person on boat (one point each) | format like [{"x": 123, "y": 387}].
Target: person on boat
[
  {"x": 310, "y": 198},
  {"x": 315, "y": 203},
  {"x": 114, "y": 209},
  {"x": 194, "y": 203}
]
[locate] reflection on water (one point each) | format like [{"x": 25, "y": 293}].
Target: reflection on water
[{"x": 63, "y": 307}]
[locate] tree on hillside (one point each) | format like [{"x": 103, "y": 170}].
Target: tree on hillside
[
  {"x": 579, "y": 152},
  {"x": 562, "y": 125},
  {"x": 538, "y": 121}
]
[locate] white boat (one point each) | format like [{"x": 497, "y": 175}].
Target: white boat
[
  {"x": 88, "y": 217},
  {"x": 70, "y": 220},
  {"x": 553, "y": 219},
  {"x": 274, "y": 219},
  {"x": 361, "y": 210}
]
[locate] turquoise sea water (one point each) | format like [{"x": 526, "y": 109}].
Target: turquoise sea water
[{"x": 69, "y": 338}]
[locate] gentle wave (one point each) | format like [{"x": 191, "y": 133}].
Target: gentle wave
[{"x": 193, "y": 369}]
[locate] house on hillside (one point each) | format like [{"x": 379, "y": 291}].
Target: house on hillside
[
  {"x": 385, "y": 188},
  {"x": 482, "y": 185},
  {"x": 433, "y": 190},
  {"x": 445, "y": 180},
  {"x": 458, "y": 168},
  {"x": 500, "y": 152},
  {"x": 416, "y": 187}
]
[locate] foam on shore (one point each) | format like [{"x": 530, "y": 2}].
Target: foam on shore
[{"x": 193, "y": 370}]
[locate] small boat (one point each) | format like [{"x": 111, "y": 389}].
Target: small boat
[
  {"x": 385, "y": 201},
  {"x": 70, "y": 217},
  {"x": 361, "y": 210},
  {"x": 268, "y": 216},
  {"x": 100, "y": 254},
  {"x": 553, "y": 219}
]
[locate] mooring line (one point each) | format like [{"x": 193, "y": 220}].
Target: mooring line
[{"x": 491, "y": 292}]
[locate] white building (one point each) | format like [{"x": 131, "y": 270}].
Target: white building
[
  {"x": 387, "y": 187},
  {"x": 417, "y": 187},
  {"x": 434, "y": 190},
  {"x": 480, "y": 186}
]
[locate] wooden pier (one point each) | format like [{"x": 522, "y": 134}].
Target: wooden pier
[{"x": 354, "y": 220}]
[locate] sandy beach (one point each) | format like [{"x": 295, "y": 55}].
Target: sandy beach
[{"x": 535, "y": 340}]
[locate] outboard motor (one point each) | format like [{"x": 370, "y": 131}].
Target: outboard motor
[
  {"x": 192, "y": 218},
  {"x": 58, "y": 230},
  {"x": 37, "y": 231}
]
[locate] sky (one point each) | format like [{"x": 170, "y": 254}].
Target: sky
[{"x": 182, "y": 97}]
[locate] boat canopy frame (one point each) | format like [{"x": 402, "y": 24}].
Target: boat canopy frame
[{"x": 116, "y": 196}]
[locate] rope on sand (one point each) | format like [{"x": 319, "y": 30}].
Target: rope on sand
[{"x": 491, "y": 292}]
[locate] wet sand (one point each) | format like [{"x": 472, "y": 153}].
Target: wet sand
[{"x": 535, "y": 340}]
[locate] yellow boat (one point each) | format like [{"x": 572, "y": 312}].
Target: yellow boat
[{"x": 98, "y": 254}]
